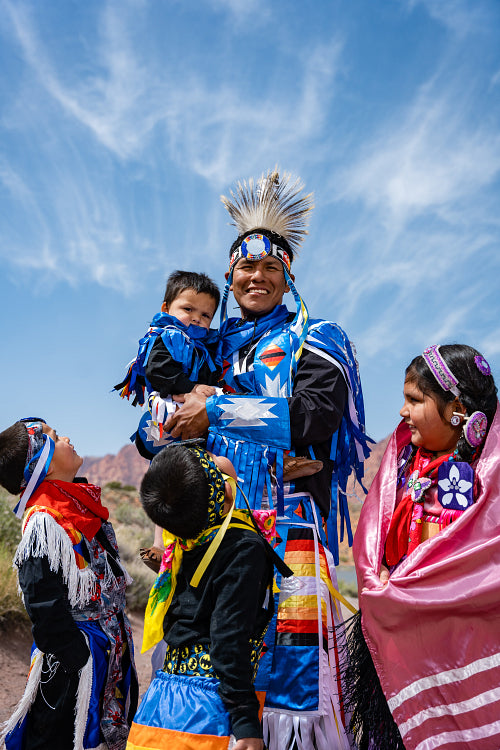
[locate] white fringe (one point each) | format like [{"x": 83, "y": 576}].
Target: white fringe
[
  {"x": 81, "y": 708},
  {"x": 43, "y": 537},
  {"x": 284, "y": 730},
  {"x": 27, "y": 698},
  {"x": 83, "y": 701}
]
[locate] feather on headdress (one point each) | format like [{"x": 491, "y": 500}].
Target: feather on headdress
[{"x": 274, "y": 203}]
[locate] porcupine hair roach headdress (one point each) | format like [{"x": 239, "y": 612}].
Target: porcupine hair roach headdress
[
  {"x": 271, "y": 217},
  {"x": 273, "y": 206}
]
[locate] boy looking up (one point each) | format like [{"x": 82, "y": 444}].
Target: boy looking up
[
  {"x": 82, "y": 685},
  {"x": 208, "y": 606}
]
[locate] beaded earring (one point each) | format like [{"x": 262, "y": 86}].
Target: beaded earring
[{"x": 475, "y": 428}]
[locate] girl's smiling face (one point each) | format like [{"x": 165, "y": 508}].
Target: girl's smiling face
[{"x": 429, "y": 429}]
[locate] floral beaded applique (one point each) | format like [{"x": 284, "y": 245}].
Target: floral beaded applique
[{"x": 417, "y": 486}]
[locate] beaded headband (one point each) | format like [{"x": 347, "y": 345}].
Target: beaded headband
[
  {"x": 257, "y": 246},
  {"x": 476, "y": 425},
  {"x": 38, "y": 457},
  {"x": 440, "y": 370}
]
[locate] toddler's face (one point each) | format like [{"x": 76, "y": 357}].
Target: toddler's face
[{"x": 192, "y": 307}]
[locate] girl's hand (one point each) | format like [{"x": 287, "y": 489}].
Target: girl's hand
[
  {"x": 384, "y": 575},
  {"x": 249, "y": 743}
]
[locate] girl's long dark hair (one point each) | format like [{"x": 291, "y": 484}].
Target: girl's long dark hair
[{"x": 478, "y": 392}]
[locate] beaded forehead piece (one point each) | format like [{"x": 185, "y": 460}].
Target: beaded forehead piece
[
  {"x": 38, "y": 457},
  {"x": 440, "y": 370}
]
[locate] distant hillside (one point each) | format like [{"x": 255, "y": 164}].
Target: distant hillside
[
  {"x": 127, "y": 467},
  {"x": 356, "y": 495}
]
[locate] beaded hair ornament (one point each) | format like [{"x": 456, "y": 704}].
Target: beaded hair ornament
[{"x": 475, "y": 426}]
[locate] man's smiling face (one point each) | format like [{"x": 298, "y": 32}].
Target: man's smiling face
[{"x": 258, "y": 285}]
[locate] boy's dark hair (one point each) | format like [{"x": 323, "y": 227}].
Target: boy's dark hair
[
  {"x": 174, "y": 492},
  {"x": 200, "y": 283},
  {"x": 478, "y": 392},
  {"x": 14, "y": 444}
]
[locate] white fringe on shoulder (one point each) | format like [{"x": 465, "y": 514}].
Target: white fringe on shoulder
[{"x": 43, "y": 537}]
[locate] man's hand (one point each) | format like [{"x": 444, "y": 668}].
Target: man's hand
[
  {"x": 190, "y": 420},
  {"x": 204, "y": 390},
  {"x": 249, "y": 743}
]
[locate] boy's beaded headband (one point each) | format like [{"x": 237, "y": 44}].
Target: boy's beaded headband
[{"x": 38, "y": 458}]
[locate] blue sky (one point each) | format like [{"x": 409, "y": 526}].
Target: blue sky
[{"x": 122, "y": 122}]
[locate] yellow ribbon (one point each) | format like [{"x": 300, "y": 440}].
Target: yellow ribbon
[
  {"x": 153, "y": 618},
  {"x": 214, "y": 546},
  {"x": 337, "y": 595}
]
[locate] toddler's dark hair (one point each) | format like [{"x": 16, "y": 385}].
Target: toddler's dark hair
[
  {"x": 14, "y": 443},
  {"x": 174, "y": 492},
  {"x": 478, "y": 392},
  {"x": 179, "y": 281}
]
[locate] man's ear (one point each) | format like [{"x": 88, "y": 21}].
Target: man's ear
[
  {"x": 226, "y": 276},
  {"x": 287, "y": 288},
  {"x": 164, "y": 307}
]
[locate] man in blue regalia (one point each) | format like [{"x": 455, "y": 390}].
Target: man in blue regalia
[{"x": 291, "y": 388}]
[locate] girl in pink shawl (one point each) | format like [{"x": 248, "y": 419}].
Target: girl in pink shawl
[{"x": 424, "y": 667}]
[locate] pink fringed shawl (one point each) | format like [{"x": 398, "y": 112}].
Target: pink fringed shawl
[{"x": 434, "y": 630}]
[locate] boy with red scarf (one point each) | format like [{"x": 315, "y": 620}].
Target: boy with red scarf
[{"x": 82, "y": 685}]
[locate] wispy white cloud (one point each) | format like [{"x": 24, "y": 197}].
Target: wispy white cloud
[
  {"x": 243, "y": 11},
  {"x": 110, "y": 103},
  {"x": 433, "y": 158},
  {"x": 208, "y": 126},
  {"x": 490, "y": 344},
  {"x": 139, "y": 112},
  {"x": 463, "y": 17}
]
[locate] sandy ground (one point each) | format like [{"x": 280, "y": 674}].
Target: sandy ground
[{"x": 15, "y": 646}]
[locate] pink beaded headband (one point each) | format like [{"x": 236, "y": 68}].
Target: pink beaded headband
[{"x": 440, "y": 370}]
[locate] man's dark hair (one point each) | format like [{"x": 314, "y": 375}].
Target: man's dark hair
[
  {"x": 174, "y": 492},
  {"x": 179, "y": 281},
  {"x": 14, "y": 444},
  {"x": 478, "y": 392}
]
